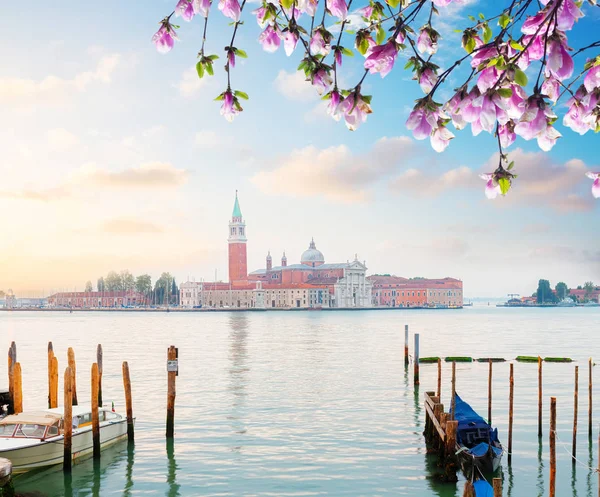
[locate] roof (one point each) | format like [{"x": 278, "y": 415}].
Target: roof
[
  {"x": 44, "y": 418},
  {"x": 305, "y": 267},
  {"x": 237, "y": 212}
]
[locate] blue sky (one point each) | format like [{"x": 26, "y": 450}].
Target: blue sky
[{"x": 116, "y": 157}]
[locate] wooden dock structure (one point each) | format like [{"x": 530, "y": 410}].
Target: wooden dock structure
[{"x": 440, "y": 435}]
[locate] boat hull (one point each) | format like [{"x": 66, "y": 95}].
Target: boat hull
[
  {"x": 487, "y": 464},
  {"x": 51, "y": 451}
]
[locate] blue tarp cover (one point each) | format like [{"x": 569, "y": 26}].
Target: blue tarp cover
[
  {"x": 483, "y": 489},
  {"x": 466, "y": 416},
  {"x": 481, "y": 450}
]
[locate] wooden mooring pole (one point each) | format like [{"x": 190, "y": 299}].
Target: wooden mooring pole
[
  {"x": 416, "y": 361},
  {"x": 12, "y": 359},
  {"x": 95, "y": 415},
  {"x": 71, "y": 358},
  {"x": 171, "y": 392},
  {"x": 50, "y": 363},
  {"x": 453, "y": 402},
  {"x": 552, "y": 446},
  {"x": 490, "y": 393},
  {"x": 469, "y": 490},
  {"x": 128, "y": 401},
  {"x": 18, "y": 387},
  {"x": 511, "y": 396},
  {"x": 54, "y": 383},
  {"x": 497, "y": 484},
  {"x": 590, "y": 399},
  {"x": 539, "y": 396},
  {"x": 406, "y": 345},
  {"x": 99, "y": 361},
  {"x": 575, "y": 412},
  {"x": 439, "y": 382},
  {"x": 450, "y": 463},
  {"x": 68, "y": 420}
]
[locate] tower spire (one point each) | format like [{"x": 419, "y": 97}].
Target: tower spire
[{"x": 237, "y": 212}]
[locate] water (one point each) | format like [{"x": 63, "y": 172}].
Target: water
[{"x": 308, "y": 403}]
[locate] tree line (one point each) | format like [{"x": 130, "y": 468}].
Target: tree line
[{"x": 545, "y": 295}]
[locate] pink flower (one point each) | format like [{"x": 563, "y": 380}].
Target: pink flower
[
  {"x": 337, "y": 54},
  {"x": 261, "y": 16},
  {"x": 506, "y": 134},
  {"x": 270, "y": 39},
  {"x": 483, "y": 55},
  {"x": 290, "y": 39},
  {"x": 547, "y": 138},
  {"x": 568, "y": 14},
  {"x": 592, "y": 79},
  {"x": 492, "y": 188},
  {"x": 535, "y": 48},
  {"x": 185, "y": 10},
  {"x": 231, "y": 58},
  {"x": 533, "y": 121},
  {"x": 320, "y": 42},
  {"x": 532, "y": 24},
  {"x": 382, "y": 58},
  {"x": 230, "y": 107},
  {"x": 487, "y": 78},
  {"x": 427, "y": 80},
  {"x": 453, "y": 108},
  {"x": 559, "y": 63},
  {"x": 164, "y": 38},
  {"x": 595, "y": 184},
  {"x": 422, "y": 121},
  {"x": 321, "y": 80},
  {"x": 308, "y": 7},
  {"x": 427, "y": 41},
  {"x": 551, "y": 88},
  {"x": 366, "y": 12},
  {"x": 355, "y": 110},
  {"x": 441, "y": 3},
  {"x": 201, "y": 7},
  {"x": 338, "y": 8},
  {"x": 334, "y": 101},
  {"x": 401, "y": 36},
  {"x": 440, "y": 139},
  {"x": 581, "y": 116},
  {"x": 230, "y": 8}
]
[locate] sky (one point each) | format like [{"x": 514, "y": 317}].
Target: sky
[{"x": 115, "y": 157}]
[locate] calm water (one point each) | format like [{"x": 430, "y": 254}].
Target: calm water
[{"x": 308, "y": 403}]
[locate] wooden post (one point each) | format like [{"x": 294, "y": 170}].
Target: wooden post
[
  {"x": 453, "y": 404},
  {"x": 54, "y": 383},
  {"x": 50, "y": 357},
  {"x": 68, "y": 420},
  {"x": 406, "y": 345},
  {"x": 490, "y": 394},
  {"x": 416, "y": 374},
  {"x": 439, "y": 383},
  {"x": 12, "y": 359},
  {"x": 171, "y": 356},
  {"x": 71, "y": 357},
  {"x": 18, "y": 386},
  {"x": 590, "y": 399},
  {"x": 575, "y": 412},
  {"x": 510, "y": 410},
  {"x": 95, "y": 416},
  {"x": 450, "y": 463},
  {"x": 539, "y": 396},
  {"x": 468, "y": 491},
  {"x": 497, "y": 484},
  {"x": 99, "y": 361},
  {"x": 128, "y": 402},
  {"x": 552, "y": 446}
]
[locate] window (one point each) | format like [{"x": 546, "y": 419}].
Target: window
[{"x": 241, "y": 230}]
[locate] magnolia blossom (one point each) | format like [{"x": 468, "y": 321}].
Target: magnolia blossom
[
  {"x": 441, "y": 3},
  {"x": 333, "y": 106},
  {"x": 583, "y": 112},
  {"x": 401, "y": 36},
  {"x": 230, "y": 8},
  {"x": 231, "y": 58},
  {"x": 492, "y": 188},
  {"x": 366, "y": 12},
  {"x": 592, "y": 79},
  {"x": 355, "y": 110},
  {"x": 270, "y": 39},
  {"x": 487, "y": 78},
  {"x": 261, "y": 16},
  {"x": 551, "y": 88},
  {"x": 532, "y": 24},
  {"x": 164, "y": 38},
  {"x": 422, "y": 121},
  {"x": 506, "y": 134},
  {"x": 201, "y": 7},
  {"x": 318, "y": 44},
  {"x": 547, "y": 138},
  {"x": 382, "y": 58},
  {"x": 483, "y": 55},
  {"x": 338, "y": 8},
  {"x": 290, "y": 39},
  {"x": 534, "y": 123},
  {"x": 308, "y": 7},
  {"x": 185, "y": 10},
  {"x": 595, "y": 184},
  {"x": 230, "y": 108},
  {"x": 559, "y": 63},
  {"x": 337, "y": 54},
  {"x": 321, "y": 80},
  {"x": 427, "y": 42},
  {"x": 568, "y": 14},
  {"x": 453, "y": 108},
  {"x": 440, "y": 139},
  {"x": 427, "y": 80}
]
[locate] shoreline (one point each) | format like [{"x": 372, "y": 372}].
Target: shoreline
[{"x": 184, "y": 310}]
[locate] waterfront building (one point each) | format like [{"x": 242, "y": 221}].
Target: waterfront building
[
  {"x": 395, "y": 291},
  {"x": 582, "y": 294},
  {"x": 126, "y": 298}
]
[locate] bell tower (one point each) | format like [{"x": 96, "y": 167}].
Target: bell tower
[{"x": 238, "y": 266}]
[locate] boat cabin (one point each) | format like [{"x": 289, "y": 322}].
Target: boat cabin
[{"x": 38, "y": 425}]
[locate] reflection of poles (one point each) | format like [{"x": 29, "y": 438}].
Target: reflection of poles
[
  {"x": 172, "y": 469},
  {"x": 96, "y": 479},
  {"x": 129, "y": 470}
]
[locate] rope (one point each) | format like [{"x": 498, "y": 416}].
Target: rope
[{"x": 563, "y": 445}]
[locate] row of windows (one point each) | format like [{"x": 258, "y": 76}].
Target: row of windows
[{"x": 234, "y": 230}]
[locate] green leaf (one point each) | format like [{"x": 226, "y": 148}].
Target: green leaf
[
  {"x": 200, "y": 69},
  {"x": 380, "y": 35},
  {"x": 511, "y": 165},
  {"x": 393, "y": 3},
  {"x": 212, "y": 57},
  {"x": 520, "y": 77},
  {"x": 241, "y": 94},
  {"x": 487, "y": 33},
  {"x": 209, "y": 68},
  {"x": 470, "y": 45},
  {"x": 516, "y": 45},
  {"x": 505, "y": 92},
  {"x": 504, "y": 185},
  {"x": 367, "y": 98},
  {"x": 220, "y": 97},
  {"x": 457, "y": 30},
  {"x": 240, "y": 53},
  {"x": 504, "y": 20},
  {"x": 472, "y": 18},
  {"x": 363, "y": 46},
  {"x": 481, "y": 16},
  {"x": 409, "y": 64},
  {"x": 347, "y": 52},
  {"x": 286, "y": 4}
]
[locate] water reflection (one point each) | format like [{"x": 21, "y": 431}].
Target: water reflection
[
  {"x": 238, "y": 372},
  {"x": 574, "y": 478},
  {"x": 540, "y": 475},
  {"x": 510, "y": 481},
  {"x": 96, "y": 478},
  {"x": 434, "y": 474},
  {"x": 173, "y": 490},
  {"x": 129, "y": 470},
  {"x": 590, "y": 465},
  {"x": 417, "y": 408}
]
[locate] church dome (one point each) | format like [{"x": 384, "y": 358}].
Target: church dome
[{"x": 312, "y": 256}]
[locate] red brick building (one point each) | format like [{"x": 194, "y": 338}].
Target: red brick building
[
  {"x": 97, "y": 299},
  {"x": 396, "y": 291}
]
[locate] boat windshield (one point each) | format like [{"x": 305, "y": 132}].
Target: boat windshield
[
  {"x": 30, "y": 431},
  {"x": 7, "y": 430}
]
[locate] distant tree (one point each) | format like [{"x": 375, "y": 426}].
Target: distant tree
[
  {"x": 127, "y": 280},
  {"x": 562, "y": 290},
  {"x": 89, "y": 287},
  {"x": 161, "y": 288},
  {"x": 2, "y": 294},
  {"x": 418, "y": 278},
  {"x": 589, "y": 287},
  {"x": 544, "y": 293},
  {"x": 174, "y": 292},
  {"x": 143, "y": 284},
  {"x": 113, "y": 282},
  {"x": 579, "y": 287},
  {"x": 100, "y": 284}
]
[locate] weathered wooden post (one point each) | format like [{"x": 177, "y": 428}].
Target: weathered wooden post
[
  {"x": 18, "y": 388},
  {"x": 128, "y": 401},
  {"x": 12, "y": 359},
  {"x": 171, "y": 392},
  {"x": 439, "y": 382},
  {"x": 453, "y": 404},
  {"x": 50, "y": 357},
  {"x": 71, "y": 357},
  {"x": 497, "y": 484},
  {"x": 99, "y": 361},
  {"x": 6, "y": 486},
  {"x": 539, "y": 396},
  {"x": 95, "y": 416},
  {"x": 406, "y": 345},
  {"x": 68, "y": 420},
  {"x": 490, "y": 394},
  {"x": 510, "y": 410},
  {"x": 552, "y": 446},
  {"x": 575, "y": 412},
  {"x": 590, "y": 400},
  {"x": 450, "y": 450},
  {"x": 416, "y": 373},
  {"x": 438, "y": 409},
  {"x": 468, "y": 491},
  {"x": 54, "y": 383}
]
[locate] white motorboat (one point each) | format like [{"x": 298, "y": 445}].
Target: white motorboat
[{"x": 35, "y": 439}]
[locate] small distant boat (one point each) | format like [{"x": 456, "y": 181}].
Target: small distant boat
[
  {"x": 477, "y": 442},
  {"x": 566, "y": 303},
  {"x": 35, "y": 439}
]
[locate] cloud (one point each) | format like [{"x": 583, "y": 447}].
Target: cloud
[
  {"x": 335, "y": 172},
  {"x": 47, "y": 195},
  {"x": 59, "y": 139},
  {"x": 18, "y": 91},
  {"x": 428, "y": 183},
  {"x": 127, "y": 226},
  {"x": 535, "y": 228},
  {"x": 150, "y": 175},
  {"x": 294, "y": 86},
  {"x": 190, "y": 84},
  {"x": 208, "y": 139}
]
